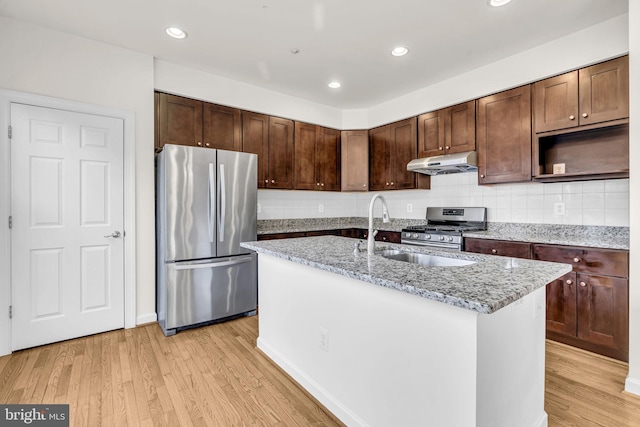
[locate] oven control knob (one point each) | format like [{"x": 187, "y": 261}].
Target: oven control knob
[
  {"x": 428, "y": 236},
  {"x": 450, "y": 238},
  {"x": 415, "y": 235},
  {"x": 441, "y": 237}
]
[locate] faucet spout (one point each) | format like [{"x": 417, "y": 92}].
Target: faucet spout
[{"x": 385, "y": 218}]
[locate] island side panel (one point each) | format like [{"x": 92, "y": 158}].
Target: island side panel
[
  {"x": 511, "y": 354},
  {"x": 390, "y": 358}
]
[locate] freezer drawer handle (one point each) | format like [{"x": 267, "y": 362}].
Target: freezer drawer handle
[
  {"x": 223, "y": 202},
  {"x": 210, "y": 264}
]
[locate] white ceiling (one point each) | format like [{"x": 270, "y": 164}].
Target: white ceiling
[{"x": 344, "y": 40}]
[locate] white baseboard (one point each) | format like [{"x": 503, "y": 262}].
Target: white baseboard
[
  {"x": 543, "y": 421},
  {"x": 323, "y": 396},
  {"x": 146, "y": 318},
  {"x": 632, "y": 385}
]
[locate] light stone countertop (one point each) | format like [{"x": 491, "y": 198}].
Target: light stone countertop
[
  {"x": 557, "y": 234},
  {"x": 490, "y": 284},
  {"x": 606, "y": 237}
]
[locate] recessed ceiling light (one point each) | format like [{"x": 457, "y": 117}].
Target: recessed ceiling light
[
  {"x": 498, "y": 3},
  {"x": 399, "y": 51},
  {"x": 176, "y": 32},
  {"x": 334, "y": 85}
]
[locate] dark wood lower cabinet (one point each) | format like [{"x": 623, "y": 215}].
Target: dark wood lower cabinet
[
  {"x": 589, "y": 307},
  {"x": 586, "y": 308}
]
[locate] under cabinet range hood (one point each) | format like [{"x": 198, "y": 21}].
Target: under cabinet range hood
[{"x": 447, "y": 163}]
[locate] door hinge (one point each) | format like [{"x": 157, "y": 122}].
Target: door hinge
[
  {"x": 10, "y": 221},
  {"x": 10, "y": 312},
  {"x": 10, "y": 131}
]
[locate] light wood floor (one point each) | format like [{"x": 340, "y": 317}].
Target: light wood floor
[{"x": 215, "y": 376}]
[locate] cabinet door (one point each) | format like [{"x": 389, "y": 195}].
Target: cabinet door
[
  {"x": 280, "y": 168},
  {"x": 555, "y": 102},
  {"x": 255, "y": 139},
  {"x": 503, "y": 137},
  {"x": 561, "y": 305},
  {"x": 328, "y": 159},
  {"x": 404, "y": 148},
  {"x": 498, "y": 247},
  {"x": 379, "y": 155},
  {"x": 389, "y": 236},
  {"x": 431, "y": 134},
  {"x": 355, "y": 160},
  {"x": 604, "y": 91},
  {"x": 603, "y": 311},
  {"x": 304, "y": 158},
  {"x": 460, "y": 128},
  {"x": 222, "y": 127},
  {"x": 180, "y": 120}
]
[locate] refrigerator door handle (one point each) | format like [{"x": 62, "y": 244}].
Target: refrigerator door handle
[
  {"x": 212, "y": 201},
  {"x": 223, "y": 202},
  {"x": 191, "y": 266}
]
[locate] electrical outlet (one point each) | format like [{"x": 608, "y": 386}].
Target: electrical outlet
[
  {"x": 558, "y": 208},
  {"x": 259, "y": 207},
  {"x": 324, "y": 339},
  {"x": 409, "y": 207},
  {"x": 320, "y": 208}
]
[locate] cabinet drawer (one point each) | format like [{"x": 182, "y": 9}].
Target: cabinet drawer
[
  {"x": 498, "y": 247},
  {"x": 608, "y": 262}
]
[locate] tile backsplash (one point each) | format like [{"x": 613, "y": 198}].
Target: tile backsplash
[{"x": 603, "y": 202}]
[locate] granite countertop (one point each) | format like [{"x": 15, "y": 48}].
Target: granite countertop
[
  {"x": 605, "y": 237},
  {"x": 490, "y": 284},
  {"x": 557, "y": 234}
]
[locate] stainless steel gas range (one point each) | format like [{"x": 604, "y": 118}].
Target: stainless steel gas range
[{"x": 445, "y": 226}]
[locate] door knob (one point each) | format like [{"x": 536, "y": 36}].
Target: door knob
[{"x": 115, "y": 235}]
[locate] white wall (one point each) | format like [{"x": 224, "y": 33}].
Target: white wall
[
  {"x": 633, "y": 381},
  {"x": 196, "y": 84},
  {"x": 45, "y": 62}
]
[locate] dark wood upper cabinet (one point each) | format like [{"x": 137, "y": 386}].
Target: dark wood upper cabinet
[
  {"x": 222, "y": 127},
  {"x": 604, "y": 91},
  {"x": 187, "y": 121},
  {"x": 354, "y": 160},
  {"x": 503, "y": 136},
  {"x": 316, "y": 158},
  {"x": 179, "y": 120},
  {"x": 280, "y": 153},
  {"x": 391, "y": 147},
  {"x": 271, "y": 138},
  {"x": 328, "y": 168},
  {"x": 255, "y": 139},
  {"x": 595, "y": 94},
  {"x": 555, "y": 102},
  {"x": 447, "y": 131}
]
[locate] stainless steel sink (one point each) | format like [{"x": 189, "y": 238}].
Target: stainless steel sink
[{"x": 423, "y": 259}]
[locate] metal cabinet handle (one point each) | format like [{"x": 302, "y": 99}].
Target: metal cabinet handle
[
  {"x": 199, "y": 144},
  {"x": 317, "y": 183},
  {"x": 273, "y": 181},
  {"x": 569, "y": 282},
  {"x": 572, "y": 117},
  {"x": 447, "y": 147},
  {"x": 115, "y": 235},
  {"x": 391, "y": 182},
  {"x": 576, "y": 259},
  {"x": 583, "y": 284},
  {"x": 322, "y": 184},
  {"x": 481, "y": 175},
  {"x": 206, "y": 144},
  {"x": 585, "y": 115},
  {"x": 266, "y": 181},
  {"x": 440, "y": 148},
  {"x": 494, "y": 251}
]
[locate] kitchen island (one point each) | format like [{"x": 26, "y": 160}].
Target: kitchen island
[{"x": 385, "y": 342}]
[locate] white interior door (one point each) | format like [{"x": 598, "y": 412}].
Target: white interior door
[{"x": 67, "y": 270}]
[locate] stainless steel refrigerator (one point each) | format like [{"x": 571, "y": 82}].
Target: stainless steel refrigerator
[{"x": 205, "y": 206}]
